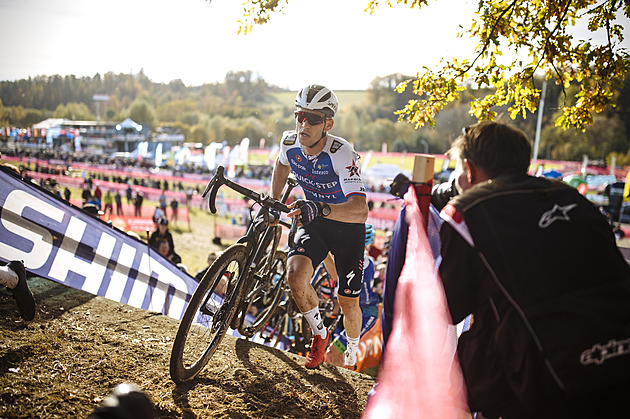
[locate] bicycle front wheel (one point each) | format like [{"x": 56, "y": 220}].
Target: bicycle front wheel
[{"x": 208, "y": 314}]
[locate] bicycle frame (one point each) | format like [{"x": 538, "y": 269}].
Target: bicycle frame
[
  {"x": 265, "y": 201},
  {"x": 257, "y": 237}
]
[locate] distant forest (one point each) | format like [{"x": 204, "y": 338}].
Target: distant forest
[{"x": 244, "y": 105}]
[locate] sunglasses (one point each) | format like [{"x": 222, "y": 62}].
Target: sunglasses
[{"x": 313, "y": 119}]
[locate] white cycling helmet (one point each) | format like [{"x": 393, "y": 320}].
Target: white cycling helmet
[{"x": 317, "y": 98}]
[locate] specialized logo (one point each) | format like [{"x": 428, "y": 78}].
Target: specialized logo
[
  {"x": 300, "y": 249},
  {"x": 336, "y": 145},
  {"x": 353, "y": 169},
  {"x": 555, "y": 214},
  {"x": 298, "y": 158},
  {"x": 599, "y": 353}
]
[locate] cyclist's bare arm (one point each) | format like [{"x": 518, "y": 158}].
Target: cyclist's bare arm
[
  {"x": 279, "y": 179},
  {"x": 354, "y": 210}
]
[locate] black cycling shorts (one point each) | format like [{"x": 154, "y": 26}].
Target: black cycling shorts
[{"x": 346, "y": 241}]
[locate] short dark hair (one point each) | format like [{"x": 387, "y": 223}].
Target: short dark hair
[{"x": 495, "y": 147}]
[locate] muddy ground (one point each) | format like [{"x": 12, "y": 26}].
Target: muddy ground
[{"x": 79, "y": 347}]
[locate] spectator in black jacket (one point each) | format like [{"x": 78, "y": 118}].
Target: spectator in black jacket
[
  {"x": 162, "y": 233},
  {"x": 538, "y": 267}
]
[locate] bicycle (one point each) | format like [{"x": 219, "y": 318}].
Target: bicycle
[{"x": 251, "y": 272}]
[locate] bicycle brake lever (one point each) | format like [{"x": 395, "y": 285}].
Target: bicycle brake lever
[
  {"x": 294, "y": 226},
  {"x": 213, "y": 187}
]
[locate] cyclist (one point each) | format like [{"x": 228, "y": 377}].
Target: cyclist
[
  {"x": 332, "y": 216},
  {"x": 368, "y": 301}
]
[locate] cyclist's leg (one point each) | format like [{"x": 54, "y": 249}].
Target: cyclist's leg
[
  {"x": 307, "y": 254},
  {"x": 351, "y": 315},
  {"x": 299, "y": 273},
  {"x": 347, "y": 248},
  {"x": 348, "y": 251}
]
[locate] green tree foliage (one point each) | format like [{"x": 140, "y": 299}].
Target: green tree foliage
[
  {"x": 142, "y": 112},
  {"x": 228, "y": 112},
  {"x": 74, "y": 111},
  {"x": 536, "y": 28}
]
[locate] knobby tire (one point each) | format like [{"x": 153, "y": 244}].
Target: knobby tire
[{"x": 208, "y": 315}]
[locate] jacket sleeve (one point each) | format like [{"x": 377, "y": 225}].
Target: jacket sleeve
[{"x": 461, "y": 272}]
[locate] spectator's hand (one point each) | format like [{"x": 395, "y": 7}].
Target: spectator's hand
[{"x": 306, "y": 210}]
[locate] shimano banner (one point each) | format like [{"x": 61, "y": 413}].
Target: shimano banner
[{"x": 60, "y": 242}]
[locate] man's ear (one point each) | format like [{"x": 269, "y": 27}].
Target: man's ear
[
  {"x": 475, "y": 174},
  {"x": 471, "y": 173},
  {"x": 329, "y": 124}
]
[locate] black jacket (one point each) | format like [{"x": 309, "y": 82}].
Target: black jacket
[{"x": 538, "y": 267}]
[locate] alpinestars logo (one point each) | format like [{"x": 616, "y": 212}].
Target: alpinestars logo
[
  {"x": 555, "y": 214},
  {"x": 353, "y": 169},
  {"x": 599, "y": 353}
]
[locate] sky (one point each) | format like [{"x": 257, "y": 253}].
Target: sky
[{"x": 329, "y": 42}]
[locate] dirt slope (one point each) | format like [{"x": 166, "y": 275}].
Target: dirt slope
[{"x": 79, "y": 347}]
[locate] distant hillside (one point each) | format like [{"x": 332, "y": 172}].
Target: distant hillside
[{"x": 346, "y": 97}]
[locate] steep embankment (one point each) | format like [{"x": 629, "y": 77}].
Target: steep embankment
[{"x": 79, "y": 347}]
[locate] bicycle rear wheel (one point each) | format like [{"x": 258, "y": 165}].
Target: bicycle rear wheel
[
  {"x": 265, "y": 296},
  {"x": 208, "y": 314}
]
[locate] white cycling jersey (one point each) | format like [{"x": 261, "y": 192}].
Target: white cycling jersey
[{"x": 331, "y": 176}]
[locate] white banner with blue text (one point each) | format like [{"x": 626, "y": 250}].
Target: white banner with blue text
[{"x": 62, "y": 243}]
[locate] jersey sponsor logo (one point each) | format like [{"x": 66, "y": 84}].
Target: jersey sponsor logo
[
  {"x": 321, "y": 172},
  {"x": 324, "y": 196},
  {"x": 353, "y": 180},
  {"x": 290, "y": 140},
  {"x": 555, "y": 214},
  {"x": 299, "y": 159},
  {"x": 353, "y": 169},
  {"x": 300, "y": 249},
  {"x": 336, "y": 145},
  {"x": 319, "y": 185}
]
